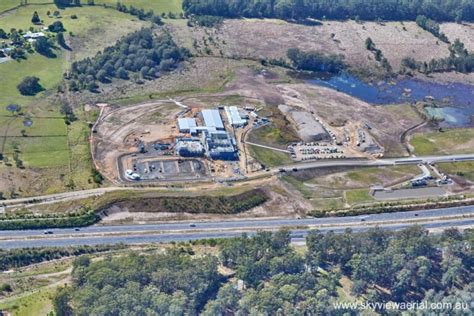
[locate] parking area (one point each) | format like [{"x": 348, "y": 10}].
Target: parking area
[{"x": 315, "y": 151}]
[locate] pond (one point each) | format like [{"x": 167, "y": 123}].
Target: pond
[{"x": 457, "y": 98}]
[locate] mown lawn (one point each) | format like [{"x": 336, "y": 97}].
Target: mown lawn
[
  {"x": 454, "y": 141},
  {"x": 268, "y": 157},
  {"x": 358, "y": 196},
  {"x": 39, "y": 152},
  {"x": 157, "y": 6},
  {"x": 8, "y": 4}
]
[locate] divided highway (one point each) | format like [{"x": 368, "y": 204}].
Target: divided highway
[{"x": 462, "y": 217}]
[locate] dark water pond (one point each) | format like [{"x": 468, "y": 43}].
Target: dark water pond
[
  {"x": 457, "y": 99},
  {"x": 27, "y": 123}
]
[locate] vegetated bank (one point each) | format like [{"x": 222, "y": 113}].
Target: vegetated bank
[
  {"x": 232, "y": 204},
  {"x": 17, "y": 258},
  {"x": 396, "y": 206},
  {"x": 265, "y": 275},
  {"x": 87, "y": 216}
]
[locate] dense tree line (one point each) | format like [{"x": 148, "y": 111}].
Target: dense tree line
[
  {"x": 52, "y": 221},
  {"x": 446, "y": 10},
  {"x": 315, "y": 61},
  {"x": 17, "y": 258},
  {"x": 432, "y": 27},
  {"x": 142, "y": 53},
  {"x": 270, "y": 278},
  {"x": 459, "y": 60},
  {"x": 140, "y": 13},
  {"x": 162, "y": 284}
]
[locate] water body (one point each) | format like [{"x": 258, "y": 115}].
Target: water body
[
  {"x": 456, "y": 99},
  {"x": 27, "y": 123}
]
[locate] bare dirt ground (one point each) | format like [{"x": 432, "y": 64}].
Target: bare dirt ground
[
  {"x": 121, "y": 128},
  {"x": 272, "y": 38},
  {"x": 338, "y": 109}
]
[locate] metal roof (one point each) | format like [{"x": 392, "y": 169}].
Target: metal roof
[
  {"x": 212, "y": 118},
  {"x": 233, "y": 116},
  {"x": 186, "y": 123}
]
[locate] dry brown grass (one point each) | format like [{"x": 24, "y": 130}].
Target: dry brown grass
[{"x": 271, "y": 39}]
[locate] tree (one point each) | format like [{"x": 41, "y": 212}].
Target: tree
[
  {"x": 61, "y": 40},
  {"x": 3, "y": 34},
  {"x": 56, "y": 27},
  {"x": 30, "y": 86},
  {"x": 369, "y": 44},
  {"x": 35, "y": 19},
  {"x": 61, "y": 303},
  {"x": 44, "y": 47}
]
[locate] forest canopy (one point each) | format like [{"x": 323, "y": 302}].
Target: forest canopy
[
  {"x": 265, "y": 275},
  {"x": 446, "y": 10},
  {"x": 142, "y": 53}
]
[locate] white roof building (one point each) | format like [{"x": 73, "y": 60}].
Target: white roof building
[
  {"x": 187, "y": 125},
  {"x": 31, "y": 35},
  {"x": 212, "y": 118},
  {"x": 234, "y": 117}
]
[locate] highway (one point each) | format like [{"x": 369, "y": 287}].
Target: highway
[{"x": 462, "y": 217}]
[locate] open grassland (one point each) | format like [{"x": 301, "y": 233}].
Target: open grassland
[
  {"x": 335, "y": 188},
  {"x": 354, "y": 197},
  {"x": 454, "y": 141},
  {"x": 262, "y": 38},
  {"x": 158, "y": 6},
  {"x": 463, "y": 170},
  {"x": 55, "y": 155},
  {"x": 366, "y": 177},
  {"x": 268, "y": 157},
  {"x": 35, "y": 303},
  {"x": 96, "y": 26},
  {"x": 10, "y": 4}
]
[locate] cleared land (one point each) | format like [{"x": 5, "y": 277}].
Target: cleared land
[
  {"x": 333, "y": 188},
  {"x": 339, "y": 110},
  {"x": 454, "y": 141},
  {"x": 262, "y": 39}
]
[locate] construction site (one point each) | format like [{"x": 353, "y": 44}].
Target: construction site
[{"x": 168, "y": 141}]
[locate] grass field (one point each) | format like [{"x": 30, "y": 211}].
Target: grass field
[
  {"x": 462, "y": 169},
  {"x": 268, "y": 157},
  {"x": 91, "y": 24},
  {"x": 9, "y": 4},
  {"x": 454, "y": 141},
  {"x": 36, "y": 303},
  {"x": 354, "y": 197},
  {"x": 157, "y": 6},
  {"x": 49, "y": 149}
]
